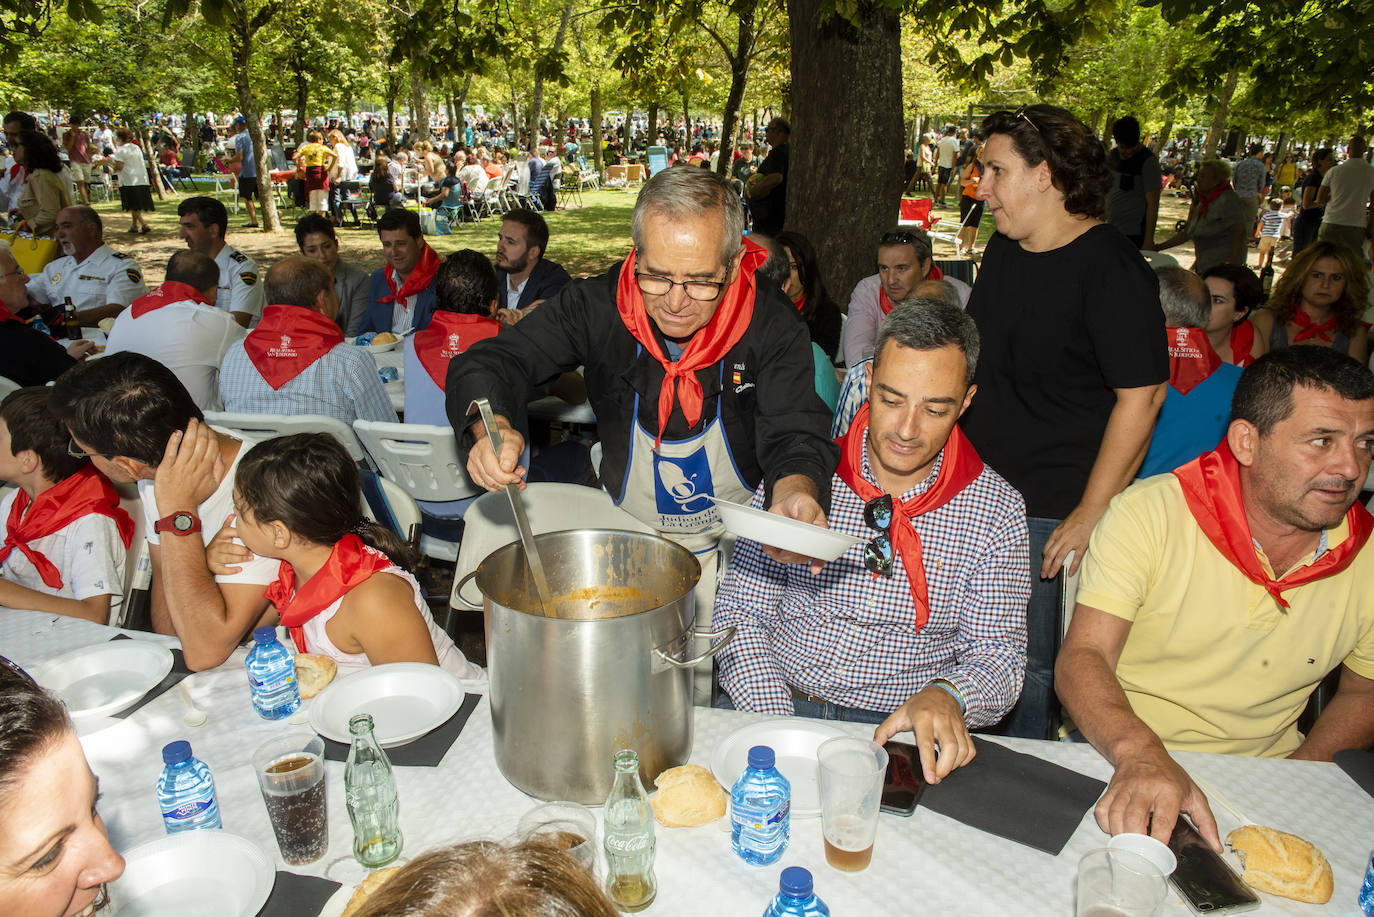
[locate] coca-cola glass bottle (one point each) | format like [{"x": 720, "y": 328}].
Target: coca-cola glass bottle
[
  {"x": 629, "y": 837},
  {"x": 372, "y": 804}
]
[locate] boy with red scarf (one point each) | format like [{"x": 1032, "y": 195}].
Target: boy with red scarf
[
  {"x": 402, "y": 290},
  {"x": 921, "y": 625},
  {"x": 63, "y": 537},
  {"x": 1214, "y": 600}
]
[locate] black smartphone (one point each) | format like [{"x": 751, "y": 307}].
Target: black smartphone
[
  {"x": 1205, "y": 880},
  {"x": 903, "y": 782}
]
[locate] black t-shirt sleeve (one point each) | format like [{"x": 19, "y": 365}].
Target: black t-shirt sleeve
[{"x": 1124, "y": 320}]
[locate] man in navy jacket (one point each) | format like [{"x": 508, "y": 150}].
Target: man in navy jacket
[
  {"x": 401, "y": 293},
  {"x": 524, "y": 278}
]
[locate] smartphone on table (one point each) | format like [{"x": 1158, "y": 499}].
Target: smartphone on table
[
  {"x": 903, "y": 783},
  {"x": 1205, "y": 880}
]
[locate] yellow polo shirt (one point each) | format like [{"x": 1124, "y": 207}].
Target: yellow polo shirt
[{"x": 1212, "y": 663}]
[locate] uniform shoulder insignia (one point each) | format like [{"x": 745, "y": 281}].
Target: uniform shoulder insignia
[
  {"x": 248, "y": 277},
  {"x": 238, "y": 256},
  {"x": 120, "y": 255},
  {"x": 133, "y": 274}
]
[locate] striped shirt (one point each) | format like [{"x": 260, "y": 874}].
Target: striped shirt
[
  {"x": 343, "y": 384},
  {"x": 1271, "y": 224},
  {"x": 846, "y": 635}
]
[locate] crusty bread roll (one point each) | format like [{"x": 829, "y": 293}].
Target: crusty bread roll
[
  {"x": 313, "y": 673},
  {"x": 105, "y": 324},
  {"x": 370, "y": 883},
  {"x": 386, "y": 337},
  {"x": 1282, "y": 864},
  {"x": 687, "y": 796}
]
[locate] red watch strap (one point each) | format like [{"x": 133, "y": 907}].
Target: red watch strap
[{"x": 168, "y": 524}]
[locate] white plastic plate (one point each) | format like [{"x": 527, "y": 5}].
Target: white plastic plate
[
  {"x": 406, "y": 700},
  {"x": 794, "y": 742},
  {"x": 781, "y": 532},
  {"x": 106, "y": 678},
  {"x": 206, "y": 873},
  {"x": 379, "y": 348}
]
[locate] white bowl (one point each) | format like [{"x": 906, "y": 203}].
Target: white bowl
[
  {"x": 1143, "y": 845},
  {"x": 106, "y": 678},
  {"x": 781, "y": 532}
]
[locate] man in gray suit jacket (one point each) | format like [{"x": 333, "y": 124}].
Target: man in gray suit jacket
[
  {"x": 315, "y": 236},
  {"x": 523, "y": 276}
]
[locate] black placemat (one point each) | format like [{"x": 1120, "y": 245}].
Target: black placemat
[
  {"x": 426, "y": 751},
  {"x": 1020, "y": 797},
  {"x": 1359, "y": 765},
  {"x": 178, "y": 672},
  {"x": 298, "y": 896}
]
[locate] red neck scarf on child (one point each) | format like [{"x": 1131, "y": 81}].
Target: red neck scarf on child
[
  {"x": 1206, "y": 199},
  {"x": 419, "y": 277},
  {"x": 449, "y": 334},
  {"x": 959, "y": 467},
  {"x": 81, "y": 494},
  {"x": 886, "y": 304},
  {"x": 166, "y": 293},
  {"x": 1211, "y": 487},
  {"x": 1191, "y": 358},
  {"x": 706, "y": 348},
  {"x": 350, "y": 563},
  {"x": 1310, "y": 328},
  {"x": 288, "y": 340}
]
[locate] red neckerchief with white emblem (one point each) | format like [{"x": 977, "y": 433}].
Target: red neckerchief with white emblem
[
  {"x": 288, "y": 340},
  {"x": 449, "y": 334},
  {"x": 1191, "y": 358}
]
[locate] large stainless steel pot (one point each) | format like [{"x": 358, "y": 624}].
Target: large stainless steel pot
[{"x": 612, "y": 670}]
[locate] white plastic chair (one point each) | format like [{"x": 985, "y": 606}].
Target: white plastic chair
[
  {"x": 403, "y": 507},
  {"x": 267, "y": 426},
  {"x": 488, "y": 525},
  {"x": 425, "y": 462}
]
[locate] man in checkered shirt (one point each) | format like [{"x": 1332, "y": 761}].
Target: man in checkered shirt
[{"x": 922, "y": 626}]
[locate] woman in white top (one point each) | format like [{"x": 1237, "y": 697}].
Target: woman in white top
[
  {"x": 344, "y": 588},
  {"x": 135, "y": 194}
]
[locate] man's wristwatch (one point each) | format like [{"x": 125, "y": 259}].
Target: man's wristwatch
[{"x": 178, "y": 524}]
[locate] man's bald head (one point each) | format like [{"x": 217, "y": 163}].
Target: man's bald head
[
  {"x": 196, "y": 269},
  {"x": 939, "y": 290},
  {"x": 298, "y": 281}
]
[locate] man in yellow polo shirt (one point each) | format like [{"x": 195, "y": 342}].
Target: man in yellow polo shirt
[{"x": 1185, "y": 637}]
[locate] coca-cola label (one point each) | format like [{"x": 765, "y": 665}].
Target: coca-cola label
[{"x": 630, "y": 843}]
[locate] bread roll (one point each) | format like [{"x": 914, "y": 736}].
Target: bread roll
[
  {"x": 687, "y": 796},
  {"x": 386, "y": 337},
  {"x": 1282, "y": 864},
  {"x": 369, "y": 884},
  {"x": 314, "y": 673},
  {"x": 105, "y": 324}
]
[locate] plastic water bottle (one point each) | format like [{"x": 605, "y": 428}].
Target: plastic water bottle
[
  {"x": 370, "y": 788},
  {"x": 1367, "y": 890},
  {"x": 760, "y": 810},
  {"x": 186, "y": 791},
  {"x": 272, "y": 676},
  {"x": 795, "y": 897},
  {"x": 628, "y": 837}
]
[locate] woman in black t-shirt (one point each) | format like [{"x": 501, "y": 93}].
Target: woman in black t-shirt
[{"x": 1309, "y": 217}]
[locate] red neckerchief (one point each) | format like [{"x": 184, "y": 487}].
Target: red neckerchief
[
  {"x": 449, "y": 334},
  {"x": 166, "y": 293},
  {"x": 1206, "y": 199},
  {"x": 1211, "y": 485},
  {"x": 959, "y": 467},
  {"x": 350, "y": 563},
  {"x": 800, "y": 302},
  {"x": 18, "y": 171},
  {"x": 288, "y": 340},
  {"x": 1311, "y": 329},
  {"x": 886, "y": 304},
  {"x": 706, "y": 348},
  {"x": 1191, "y": 357},
  {"x": 1242, "y": 343},
  {"x": 79, "y": 495},
  {"x": 419, "y": 278},
  {"x": 6, "y": 315}
]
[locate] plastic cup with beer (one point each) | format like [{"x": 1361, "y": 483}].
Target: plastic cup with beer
[
  {"x": 851, "y": 784},
  {"x": 1119, "y": 883},
  {"x": 570, "y": 826},
  {"x": 290, "y": 771}
]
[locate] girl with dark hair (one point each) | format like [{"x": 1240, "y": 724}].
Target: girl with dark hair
[
  {"x": 1235, "y": 292},
  {"x": 1073, "y": 367},
  {"x": 1319, "y": 300},
  {"x": 808, "y": 293},
  {"x": 344, "y": 588},
  {"x": 56, "y": 856},
  {"x": 1309, "y": 216},
  {"x": 45, "y": 191}
]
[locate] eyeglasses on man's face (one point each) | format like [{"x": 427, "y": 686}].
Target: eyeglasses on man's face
[
  {"x": 76, "y": 451},
  {"x": 700, "y": 290}
]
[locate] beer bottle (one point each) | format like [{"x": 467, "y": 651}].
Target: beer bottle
[
  {"x": 372, "y": 804},
  {"x": 629, "y": 837},
  {"x": 69, "y": 320}
]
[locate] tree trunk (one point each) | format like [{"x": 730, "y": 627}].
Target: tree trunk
[
  {"x": 1166, "y": 134},
  {"x": 241, "y": 47},
  {"x": 348, "y": 108},
  {"x": 686, "y": 121},
  {"x": 598, "y": 162},
  {"x": 460, "y": 102},
  {"x": 1216, "y": 133},
  {"x": 453, "y": 120},
  {"x": 419, "y": 122},
  {"x": 739, "y": 79},
  {"x": 653, "y": 126},
  {"x": 861, "y": 70},
  {"x": 537, "y": 90},
  {"x": 302, "y": 102}
]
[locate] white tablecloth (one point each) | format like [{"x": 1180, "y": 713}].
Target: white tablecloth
[{"x": 926, "y": 863}]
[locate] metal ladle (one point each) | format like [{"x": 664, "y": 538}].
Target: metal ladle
[{"x": 522, "y": 522}]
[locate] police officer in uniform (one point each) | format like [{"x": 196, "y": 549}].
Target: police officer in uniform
[
  {"x": 99, "y": 280},
  {"x": 204, "y": 222}
]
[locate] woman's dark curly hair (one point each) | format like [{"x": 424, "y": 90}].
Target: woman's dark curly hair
[{"x": 1047, "y": 133}]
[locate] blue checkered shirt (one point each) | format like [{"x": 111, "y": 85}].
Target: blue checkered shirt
[
  {"x": 853, "y": 395},
  {"x": 847, "y": 635},
  {"x": 343, "y": 384}
]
